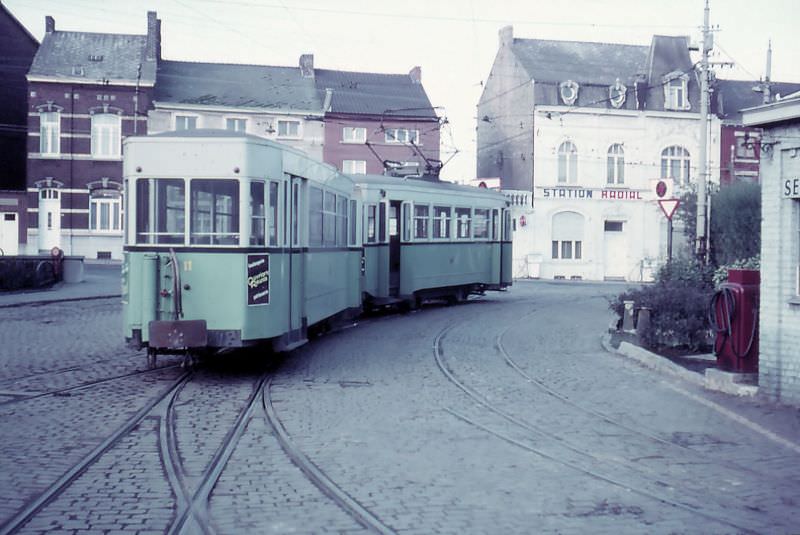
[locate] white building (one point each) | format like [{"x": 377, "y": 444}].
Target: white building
[
  {"x": 779, "y": 310},
  {"x": 278, "y": 103},
  {"x": 579, "y": 134}
]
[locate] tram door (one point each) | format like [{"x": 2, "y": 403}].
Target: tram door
[{"x": 394, "y": 247}]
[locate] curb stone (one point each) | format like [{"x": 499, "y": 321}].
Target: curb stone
[{"x": 712, "y": 380}]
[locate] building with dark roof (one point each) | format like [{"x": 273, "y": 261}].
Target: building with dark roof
[
  {"x": 740, "y": 150},
  {"x": 279, "y": 103},
  {"x": 379, "y": 122},
  {"x": 578, "y": 133},
  {"x": 86, "y": 92},
  {"x": 18, "y": 47}
]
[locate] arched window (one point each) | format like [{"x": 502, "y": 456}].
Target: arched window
[
  {"x": 567, "y": 236},
  {"x": 567, "y": 163},
  {"x": 50, "y": 133},
  {"x": 675, "y": 164},
  {"x": 615, "y": 165},
  {"x": 106, "y": 139}
]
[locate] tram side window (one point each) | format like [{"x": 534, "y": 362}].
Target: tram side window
[
  {"x": 406, "y": 222},
  {"x": 495, "y": 225},
  {"x": 258, "y": 214},
  {"x": 480, "y": 223},
  {"x": 273, "y": 214},
  {"x": 371, "y": 212},
  {"x": 353, "y": 212},
  {"x": 421, "y": 222},
  {"x": 329, "y": 220},
  {"x": 341, "y": 221},
  {"x": 315, "y": 217},
  {"x": 463, "y": 222},
  {"x": 215, "y": 212},
  {"x": 160, "y": 210},
  {"x": 382, "y": 222},
  {"x": 296, "y": 214},
  {"x": 441, "y": 222},
  {"x": 506, "y": 225}
]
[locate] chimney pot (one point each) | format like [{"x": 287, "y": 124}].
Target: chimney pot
[
  {"x": 416, "y": 74},
  {"x": 49, "y": 24}
]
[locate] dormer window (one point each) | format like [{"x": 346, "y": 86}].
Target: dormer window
[
  {"x": 616, "y": 94},
  {"x": 569, "y": 92},
  {"x": 676, "y": 95}
]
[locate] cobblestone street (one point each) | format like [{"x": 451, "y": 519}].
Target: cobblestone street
[{"x": 501, "y": 415}]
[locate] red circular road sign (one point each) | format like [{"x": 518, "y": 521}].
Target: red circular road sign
[{"x": 661, "y": 188}]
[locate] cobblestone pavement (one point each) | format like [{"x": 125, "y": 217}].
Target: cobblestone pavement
[{"x": 502, "y": 415}]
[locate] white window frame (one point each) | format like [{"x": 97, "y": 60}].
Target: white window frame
[
  {"x": 50, "y": 133},
  {"x": 114, "y": 215},
  {"x": 184, "y": 117},
  {"x": 354, "y": 134},
  {"x": 354, "y": 167},
  {"x": 237, "y": 121},
  {"x": 558, "y": 249},
  {"x": 615, "y": 165},
  {"x": 286, "y": 134},
  {"x": 401, "y": 135},
  {"x": 676, "y": 94},
  {"x": 669, "y": 156},
  {"x": 567, "y": 163},
  {"x": 106, "y": 138}
]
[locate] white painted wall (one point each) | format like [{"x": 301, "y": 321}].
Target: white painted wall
[{"x": 644, "y": 238}]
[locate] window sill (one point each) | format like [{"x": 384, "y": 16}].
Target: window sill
[{"x": 794, "y": 301}]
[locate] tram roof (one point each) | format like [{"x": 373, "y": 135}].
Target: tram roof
[{"x": 435, "y": 185}]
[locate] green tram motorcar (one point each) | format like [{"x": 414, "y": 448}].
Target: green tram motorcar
[{"x": 233, "y": 240}]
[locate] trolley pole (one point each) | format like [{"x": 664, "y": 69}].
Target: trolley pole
[{"x": 702, "y": 182}]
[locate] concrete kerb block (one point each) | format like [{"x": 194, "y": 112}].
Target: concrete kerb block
[
  {"x": 738, "y": 384},
  {"x": 728, "y": 383}
]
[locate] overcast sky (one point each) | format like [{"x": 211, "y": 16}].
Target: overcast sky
[{"x": 454, "y": 41}]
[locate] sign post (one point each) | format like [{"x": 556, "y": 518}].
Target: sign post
[{"x": 668, "y": 206}]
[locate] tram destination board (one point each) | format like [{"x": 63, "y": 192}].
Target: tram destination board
[{"x": 257, "y": 279}]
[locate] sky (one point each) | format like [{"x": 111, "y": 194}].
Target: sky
[{"x": 453, "y": 41}]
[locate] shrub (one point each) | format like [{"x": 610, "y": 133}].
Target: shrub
[
  {"x": 736, "y": 222},
  {"x": 721, "y": 273},
  {"x": 678, "y": 303}
]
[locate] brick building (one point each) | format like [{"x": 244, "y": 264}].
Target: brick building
[
  {"x": 18, "y": 48},
  {"x": 372, "y": 119},
  {"x": 86, "y": 92},
  {"x": 779, "y": 310}
]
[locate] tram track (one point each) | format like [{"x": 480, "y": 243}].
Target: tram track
[
  {"x": 192, "y": 513},
  {"x": 318, "y": 477},
  {"x": 53, "y": 491},
  {"x": 87, "y": 384},
  {"x": 530, "y": 432}
]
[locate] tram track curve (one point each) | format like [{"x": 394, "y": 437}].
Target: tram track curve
[
  {"x": 18, "y": 521},
  {"x": 573, "y": 464},
  {"x": 318, "y": 477}
]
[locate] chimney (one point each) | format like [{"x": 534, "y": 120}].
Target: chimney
[
  {"x": 768, "y": 73},
  {"x": 416, "y": 74},
  {"x": 49, "y": 24},
  {"x": 506, "y": 34},
  {"x": 307, "y": 65},
  {"x": 326, "y": 106},
  {"x": 153, "y": 37}
]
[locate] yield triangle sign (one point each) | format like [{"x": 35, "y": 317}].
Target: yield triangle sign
[{"x": 668, "y": 206}]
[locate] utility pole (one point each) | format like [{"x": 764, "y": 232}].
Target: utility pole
[{"x": 708, "y": 44}]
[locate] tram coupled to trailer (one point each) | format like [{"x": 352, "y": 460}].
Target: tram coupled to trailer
[{"x": 233, "y": 240}]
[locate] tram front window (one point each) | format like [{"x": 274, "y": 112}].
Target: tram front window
[
  {"x": 215, "y": 212},
  {"x": 160, "y": 210}
]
